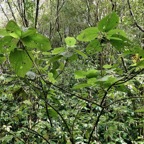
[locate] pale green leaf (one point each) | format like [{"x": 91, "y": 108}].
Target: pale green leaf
[{"x": 70, "y": 41}]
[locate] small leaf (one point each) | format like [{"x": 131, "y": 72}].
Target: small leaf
[
  {"x": 58, "y": 50},
  {"x": 107, "y": 66},
  {"x": 80, "y": 74},
  {"x": 82, "y": 85},
  {"x": 92, "y": 73},
  {"x": 51, "y": 78},
  {"x": 141, "y": 110},
  {"x": 109, "y": 22},
  {"x": 93, "y": 47},
  {"x": 13, "y": 29},
  {"x": 20, "y": 62},
  {"x": 70, "y": 41},
  {"x": 81, "y": 53},
  {"x": 88, "y": 34},
  {"x": 54, "y": 58}
]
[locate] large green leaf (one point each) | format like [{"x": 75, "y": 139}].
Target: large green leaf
[
  {"x": 7, "y": 43},
  {"x": 13, "y": 29},
  {"x": 109, "y": 22},
  {"x": 88, "y": 34},
  {"x": 3, "y": 32},
  {"x": 28, "y": 32},
  {"x": 20, "y": 62},
  {"x": 119, "y": 41},
  {"x": 37, "y": 41},
  {"x": 93, "y": 47}
]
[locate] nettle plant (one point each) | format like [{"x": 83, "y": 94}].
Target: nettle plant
[{"x": 84, "y": 110}]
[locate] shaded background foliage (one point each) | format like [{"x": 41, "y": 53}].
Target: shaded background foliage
[{"x": 36, "y": 111}]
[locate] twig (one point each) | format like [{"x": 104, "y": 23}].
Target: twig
[
  {"x": 37, "y": 12},
  {"x": 132, "y": 15}
]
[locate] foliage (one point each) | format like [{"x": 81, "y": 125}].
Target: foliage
[{"x": 87, "y": 90}]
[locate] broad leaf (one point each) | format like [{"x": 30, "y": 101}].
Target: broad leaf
[
  {"x": 20, "y": 62},
  {"x": 119, "y": 41},
  {"x": 37, "y": 41},
  {"x": 13, "y": 29},
  {"x": 93, "y": 47},
  {"x": 70, "y": 41},
  {"x": 3, "y": 32},
  {"x": 28, "y": 32},
  {"x": 109, "y": 22},
  {"x": 7, "y": 43},
  {"x": 88, "y": 34}
]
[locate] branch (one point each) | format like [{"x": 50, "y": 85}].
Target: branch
[
  {"x": 4, "y": 13},
  {"x": 132, "y": 15},
  {"x": 37, "y": 12},
  {"x": 35, "y": 132},
  {"x": 124, "y": 80},
  {"x": 11, "y": 10}
]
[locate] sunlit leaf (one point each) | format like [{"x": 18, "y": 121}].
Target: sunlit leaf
[{"x": 70, "y": 41}]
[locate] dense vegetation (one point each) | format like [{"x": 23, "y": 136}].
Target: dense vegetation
[{"x": 71, "y": 72}]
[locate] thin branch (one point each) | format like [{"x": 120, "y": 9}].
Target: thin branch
[
  {"x": 132, "y": 15},
  {"x": 124, "y": 80},
  {"x": 4, "y": 13},
  {"x": 11, "y": 10},
  {"x": 36, "y": 133},
  {"x": 37, "y": 12},
  {"x": 123, "y": 100}
]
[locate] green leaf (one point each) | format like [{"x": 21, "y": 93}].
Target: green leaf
[
  {"x": 30, "y": 31},
  {"x": 119, "y": 41},
  {"x": 7, "y": 43},
  {"x": 37, "y": 41},
  {"x": 80, "y": 74},
  {"x": 13, "y": 29},
  {"x": 141, "y": 110},
  {"x": 2, "y": 58},
  {"x": 51, "y": 78},
  {"x": 81, "y": 53},
  {"x": 54, "y": 58},
  {"x": 82, "y": 85},
  {"x": 58, "y": 50},
  {"x": 93, "y": 47},
  {"x": 70, "y": 41},
  {"x": 20, "y": 62},
  {"x": 107, "y": 66},
  {"x": 92, "y": 73},
  {"x": 3, "y": 32},
  {"x": 109, "y": 22},
  {"x": 115, "y": 31},
  {"x": 88, "y": 34}
]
